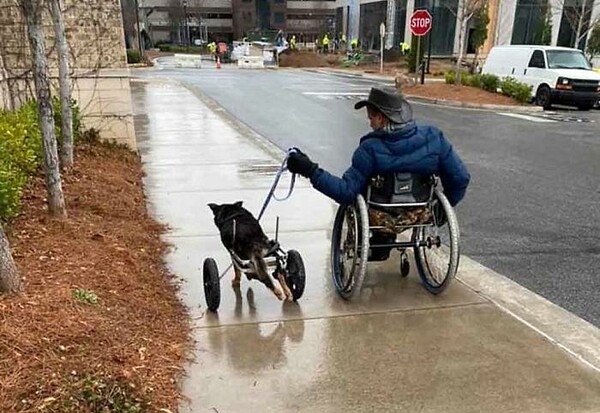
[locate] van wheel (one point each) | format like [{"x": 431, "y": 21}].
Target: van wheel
[{"x": 543, "y": 97}]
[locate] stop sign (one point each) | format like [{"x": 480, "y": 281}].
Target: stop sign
[{"x": 420, "y": 22}]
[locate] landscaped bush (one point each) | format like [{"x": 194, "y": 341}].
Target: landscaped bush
[
  {"x": 515, "y": 89},
  {"x": 133, "y": 56},
  {"x": 490, "y": 82},
  {"x": 473, "y": 80},
  {"x": 509, "y": 86},
  {"x": 21, "y": 151},
  {"x": 20, "y": 155}
]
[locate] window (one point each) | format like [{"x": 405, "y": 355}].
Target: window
[
  {"x": 537, "y": 60},
  {"x": 567, "y": 59},
  {"x": 279, "y": 18}
]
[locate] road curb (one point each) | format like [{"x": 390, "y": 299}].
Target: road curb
[
  {"x": 468, "y": 105},
  {"x": 433, "y": 101}
]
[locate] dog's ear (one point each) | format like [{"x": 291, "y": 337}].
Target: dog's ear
[
  {"x": 213, "y": 207},
  {"x": 238, "y": 204}
]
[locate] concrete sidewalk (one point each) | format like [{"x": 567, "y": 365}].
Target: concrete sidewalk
[{"x": 395, "y": 349}]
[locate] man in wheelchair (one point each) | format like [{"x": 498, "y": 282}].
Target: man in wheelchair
[{"x": 397, "y": 144}]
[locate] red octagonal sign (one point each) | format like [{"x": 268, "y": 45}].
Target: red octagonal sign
[{"x": 420, "y": 22}]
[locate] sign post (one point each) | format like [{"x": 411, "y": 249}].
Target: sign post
[
  {"x": 382, "y": 35},
  {"x": 420, "y": 25}
]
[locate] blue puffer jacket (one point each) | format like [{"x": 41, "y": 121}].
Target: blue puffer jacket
[{"x": 416, "y": 148}]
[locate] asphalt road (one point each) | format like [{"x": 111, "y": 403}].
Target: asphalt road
[{"x": 532, "y": 210}]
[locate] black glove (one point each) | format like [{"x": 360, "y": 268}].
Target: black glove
[{"x": 300, "y": 163}]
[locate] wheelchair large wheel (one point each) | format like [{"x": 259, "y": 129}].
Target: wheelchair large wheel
[
  {"x": 296, "y": 276},
  {"x": 437, "y": 262},
  {"x": 350, "y": 248},
  {"x": 212, "y": 288}
]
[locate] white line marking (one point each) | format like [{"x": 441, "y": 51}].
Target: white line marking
[
  {"x": 335, "y": 93},
  {"x": 527, "y": 117}
]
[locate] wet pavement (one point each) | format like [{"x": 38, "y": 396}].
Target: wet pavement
[
  {"x": 531, "y": 209},
  {"x": 397, "y": 348}
]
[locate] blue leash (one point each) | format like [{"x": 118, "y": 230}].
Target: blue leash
[
  {"x": 271, "y": 194},
  {"x": 280, "y": 172}
]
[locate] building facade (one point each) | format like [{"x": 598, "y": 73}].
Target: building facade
[
  {"x": 511, "y": 21},
  {"x": 99, "y": 73}
]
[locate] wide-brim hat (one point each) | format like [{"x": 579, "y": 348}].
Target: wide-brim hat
[{"x": 389, "y": 102}]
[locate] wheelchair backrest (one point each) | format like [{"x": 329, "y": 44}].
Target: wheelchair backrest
[{"x": 400, "y": 187}]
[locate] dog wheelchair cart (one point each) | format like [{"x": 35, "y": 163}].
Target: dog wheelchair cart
[
  {"x": 368, "y": 230},
  {"x": 289, "y": 264}
]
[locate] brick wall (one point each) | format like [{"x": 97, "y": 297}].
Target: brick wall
[{"x": 94, "y": 30}]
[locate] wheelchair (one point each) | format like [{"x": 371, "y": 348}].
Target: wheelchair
[{"x": 397, "y": 211}]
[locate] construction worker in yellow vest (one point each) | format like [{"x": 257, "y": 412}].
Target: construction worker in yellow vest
[
  {"x": 405, "y": 48},
  {"x": 293, "y": 42},
  {"x": 212, "y": 48},
  {"x": 354, "y": 44},
  {"x": 325, "y": 44}
]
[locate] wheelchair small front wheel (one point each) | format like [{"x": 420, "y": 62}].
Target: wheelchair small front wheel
[
  {"x": 295, "y": 274},
  {"x": 212, "y": 288},
  {"x": 350, "y": 248},
  {"x": 437, "y": 251},
  {"x": 404, "y": 264}
]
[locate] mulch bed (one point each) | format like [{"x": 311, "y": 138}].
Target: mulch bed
[
  {"x": 60, "y": 349},
  {"x": 459, "y": 93}
]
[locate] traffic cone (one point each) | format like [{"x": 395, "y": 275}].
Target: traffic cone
[{"x": 218, "y": 62}]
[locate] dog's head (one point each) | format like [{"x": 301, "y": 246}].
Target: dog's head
[{"x": 225, "y": 212}]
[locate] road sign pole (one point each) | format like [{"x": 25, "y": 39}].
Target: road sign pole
[
  {"x": 417, "y": 59},
  {"x": 382, "y": 35}
]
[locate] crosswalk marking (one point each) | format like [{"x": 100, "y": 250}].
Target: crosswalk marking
[{"x": 527, "y": 117}]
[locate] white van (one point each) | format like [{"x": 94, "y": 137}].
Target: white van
[{"x": 557, "y": 74}]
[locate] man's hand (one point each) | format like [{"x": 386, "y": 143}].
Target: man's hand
[{"x": 300, "y": 163}]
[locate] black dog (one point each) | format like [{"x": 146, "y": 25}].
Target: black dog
[{"x": 249, "y": 243}]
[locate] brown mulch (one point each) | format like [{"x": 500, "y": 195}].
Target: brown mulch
[
  {"x": 124, "y": 353},
  {"x": 458, "y": 93},
  {"x": 308, "y": 59}
]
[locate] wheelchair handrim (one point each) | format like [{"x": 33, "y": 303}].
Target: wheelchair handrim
[{"x": 437, "y": 265}]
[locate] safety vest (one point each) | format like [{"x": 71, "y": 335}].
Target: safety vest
[
  {"x": 354, "y": 42},
  {"x": 325, "y": 40}
]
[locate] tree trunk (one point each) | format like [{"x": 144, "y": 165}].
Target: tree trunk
[
  {"x": 66, "y": 154},
  {"x": 461, "y": 46},
  {"x": 10, "y": 281},
  {"x": 580, "y": 20},
  {"x": 32, "y": 11}
]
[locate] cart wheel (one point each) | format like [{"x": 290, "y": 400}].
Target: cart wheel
[
  {"x": 296, "y": 276},
  {"x": 404, "y": 265},
  {"x": 212, "y": 290}
]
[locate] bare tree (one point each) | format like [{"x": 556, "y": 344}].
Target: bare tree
[
  {"x": 464, "y": 12},
  {"x": 10, "y": 281},
  {"x": 32, "y": 11},
  {"x": 66, "y": 153},
  {"x": 581, "y": 17}
]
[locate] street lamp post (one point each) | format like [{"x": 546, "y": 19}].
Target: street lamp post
[{"x": 187, "y": 27}]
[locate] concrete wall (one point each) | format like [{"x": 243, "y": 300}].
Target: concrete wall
[{"x": 94, "y": 31}]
